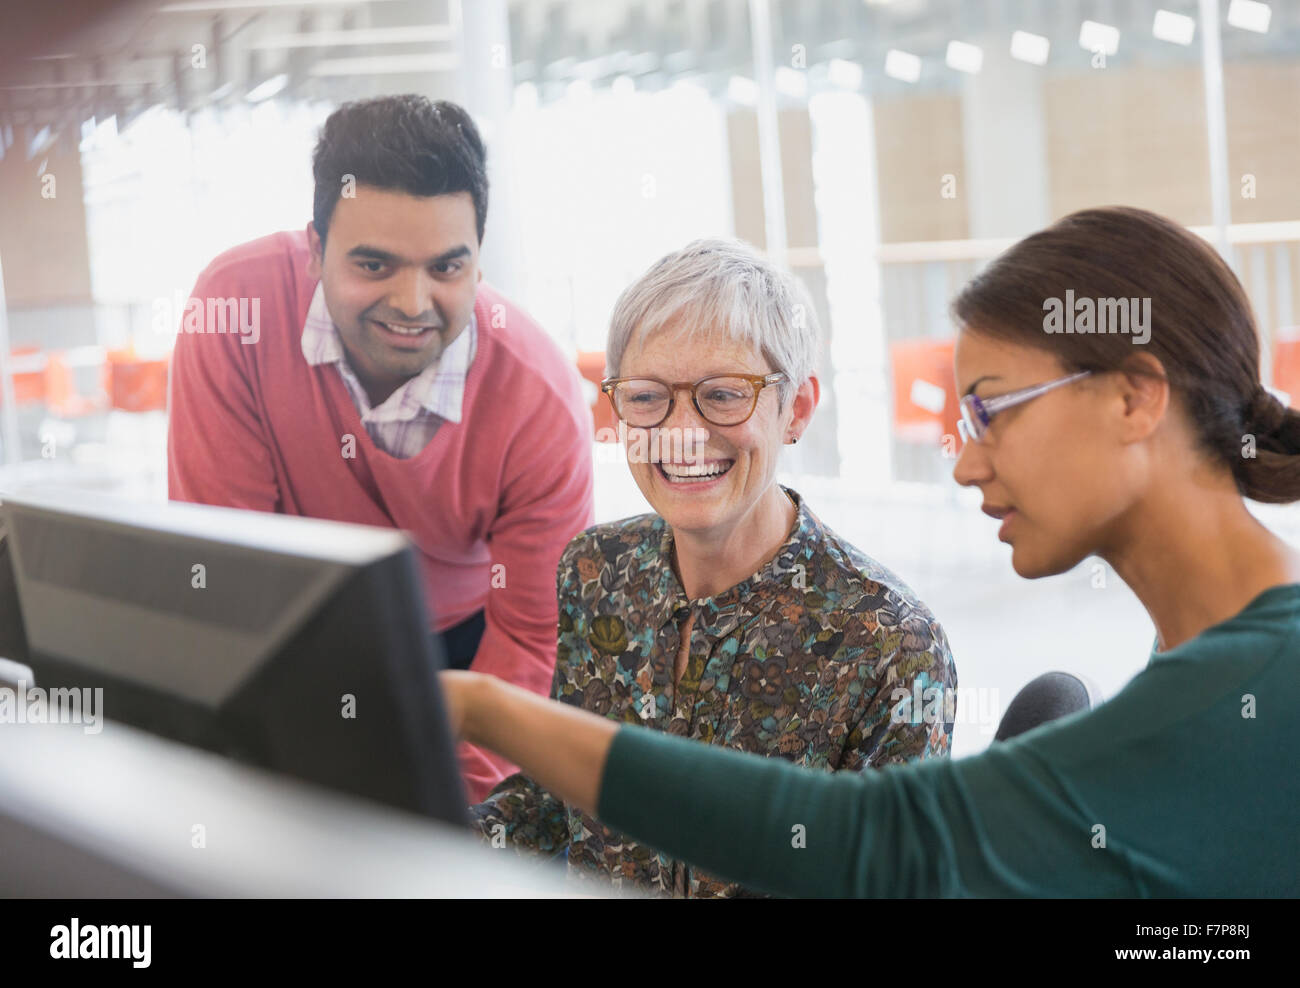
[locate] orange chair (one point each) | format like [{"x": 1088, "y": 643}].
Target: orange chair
[
  {"x": 1286, "y": 364},
  {"x": 62, "y": 396},
  {"x": 133, "y": 384},
  {"x": 925, "y": 395},
  {"x": 591, "y": 365},
  {"x": 28, "y": 366}
]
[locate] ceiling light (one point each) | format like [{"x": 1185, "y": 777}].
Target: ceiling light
[
  {"x": 1099, "y": 37},
  {"x": 902, "y": 65},
  {"x": 1249, "y": 15},
  {"x": 1031, "y": 48},
  {"x": 791, "y": 82},
  {"x": 964, "y": 57},
  {"x": 1176, "y": 28},
  {"x": 743, "y": 91}
]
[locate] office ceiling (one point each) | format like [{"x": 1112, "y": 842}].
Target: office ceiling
[{"x": 67, "y": 61}]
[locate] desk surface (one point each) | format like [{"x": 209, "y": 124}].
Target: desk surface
[{"x": 124, "y": 813}]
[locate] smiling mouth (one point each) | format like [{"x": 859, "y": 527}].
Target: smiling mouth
[
  {"x": 693, "y": 473},
  {"x": 399, "y": 329}
]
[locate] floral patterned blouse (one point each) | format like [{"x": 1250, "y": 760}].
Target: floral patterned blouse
[{"x": 804, "y": 660}]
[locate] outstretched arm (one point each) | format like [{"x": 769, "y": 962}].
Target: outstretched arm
[
  {"x": 559, "y": 746},
  {"x": 1004, "y": 822}
]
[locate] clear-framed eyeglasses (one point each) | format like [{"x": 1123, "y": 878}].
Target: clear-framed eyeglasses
[{"x": 976, "y": 413}]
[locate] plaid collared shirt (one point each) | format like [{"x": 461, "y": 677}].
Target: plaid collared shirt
[{"x": 407, "y": 420}]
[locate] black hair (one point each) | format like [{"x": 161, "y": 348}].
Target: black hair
[{"x": 408, "y": 143}]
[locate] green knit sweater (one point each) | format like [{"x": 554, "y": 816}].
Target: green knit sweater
[{"x": 1184, "y": 784}]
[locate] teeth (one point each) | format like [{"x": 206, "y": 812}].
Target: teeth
[
  {"x": 404, "y": 330},
  {"x": 682, "y": 471}
]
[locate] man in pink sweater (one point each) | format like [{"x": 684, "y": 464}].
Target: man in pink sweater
[{"x": 361, "y": 371}]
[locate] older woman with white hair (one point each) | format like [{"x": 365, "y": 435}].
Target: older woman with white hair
[{"x": 732, "y": 614}]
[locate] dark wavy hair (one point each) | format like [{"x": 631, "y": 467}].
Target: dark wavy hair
[
  {"x": 408, "y": 143},
  {"x": 1202, "y": 329}
]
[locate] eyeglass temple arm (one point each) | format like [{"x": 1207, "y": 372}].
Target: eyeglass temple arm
[{"x": 996, "y": 404}]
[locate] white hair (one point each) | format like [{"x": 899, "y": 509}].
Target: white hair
[{"x": 725, "y": 287}]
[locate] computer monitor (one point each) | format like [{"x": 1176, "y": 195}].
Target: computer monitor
[
  {"x": 296, "y": 644},
  {"x": 13, "y": 637}
]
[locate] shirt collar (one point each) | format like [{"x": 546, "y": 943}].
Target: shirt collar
[
  {"x": 439, "y": 388},
  {"x": 719, "y": 615}
]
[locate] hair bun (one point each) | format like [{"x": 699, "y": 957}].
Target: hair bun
[{"x": 1265, "y": 414}]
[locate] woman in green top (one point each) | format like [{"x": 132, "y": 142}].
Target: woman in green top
[{"x": 1136, "y": 444}]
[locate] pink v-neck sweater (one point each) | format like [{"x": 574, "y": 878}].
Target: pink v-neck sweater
[{"x": 490, "y": 502}]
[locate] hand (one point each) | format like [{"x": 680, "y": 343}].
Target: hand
[
  {"x": 562, "y": 747},
  {"x": 458, "y": 692}
]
